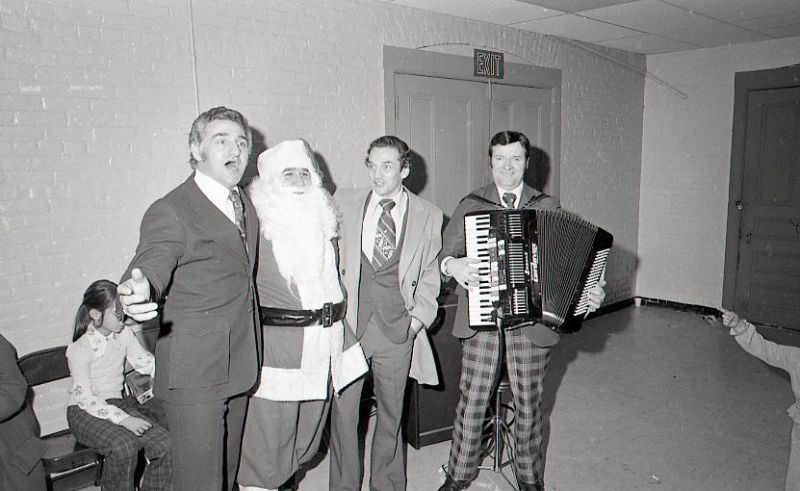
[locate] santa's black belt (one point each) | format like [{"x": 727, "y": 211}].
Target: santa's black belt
[{"x": 327, "y": 315}]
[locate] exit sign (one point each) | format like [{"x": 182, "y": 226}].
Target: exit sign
[{"x": 488, "y": 64}]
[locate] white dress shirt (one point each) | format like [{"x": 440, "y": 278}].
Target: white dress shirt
[{"x": 216, "y": 193}]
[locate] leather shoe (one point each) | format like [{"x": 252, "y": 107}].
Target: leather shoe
[
  {"x": 451, "y": 484},
  {"x": 537, "y": 486}
]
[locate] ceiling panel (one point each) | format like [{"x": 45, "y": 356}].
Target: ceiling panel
[
  {"x": 732, "y": 10},
  {"x": 503, "y": 12},
  {"x": 574, "y": 27},
  {"x": 575, "y": 5},
  {"x": 643, "y": 26},
  {"x": 649, "y": 44},
  {"x": 651, "y": 16},
  {"x": 716, "y": 35},
  {"x": 764, "y": 24}
]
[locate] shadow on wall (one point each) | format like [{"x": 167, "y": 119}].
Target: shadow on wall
[
  {"x": 418, "y": 177},
  {"x": 538, "y": 171}
]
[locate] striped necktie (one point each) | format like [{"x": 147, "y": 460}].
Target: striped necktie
[
  {"x": 385, "y": 237},
  {"x": 238, "y": 212}
]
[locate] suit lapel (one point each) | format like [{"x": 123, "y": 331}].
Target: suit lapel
[
  {"x": 253, "y": 228},
  {"x": 353, "y": 212},
  {"x": 210, "y": 219},
  {"x": 416, "y": 218}
]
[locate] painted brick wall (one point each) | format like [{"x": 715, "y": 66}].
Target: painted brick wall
[
  {"x": 686, "y": 162},
  {"x": 96, "y": 97}
]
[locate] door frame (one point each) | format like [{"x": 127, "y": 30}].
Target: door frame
[
  {"x": 424, "y": 63},
  {"x": 744, "y": 83}
]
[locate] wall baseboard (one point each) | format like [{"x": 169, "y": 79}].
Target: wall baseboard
[
  {"x": 685, "y": 307},
  {"x": 653, "y": 302}
]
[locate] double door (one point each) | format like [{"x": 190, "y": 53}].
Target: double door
[{"x": 448, "y": 123}]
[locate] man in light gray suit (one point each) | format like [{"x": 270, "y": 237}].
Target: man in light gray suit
[{"x": 389, "y": 245}]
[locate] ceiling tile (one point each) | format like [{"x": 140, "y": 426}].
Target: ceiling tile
[
  {"x": 649, "y": 44},
  {"x": 571, "y": 26},
  {"x": 575, "y": 5},
  {"x": 764, "y": 24},
  {"x": 503, "y": 12},
  {"x": 733, "y": 10},
  {"x": 716, "y": 35},
  {"x": 650, "y": 16},
  {"x": 783, "y": 31}
]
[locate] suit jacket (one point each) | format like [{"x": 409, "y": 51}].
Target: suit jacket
[
  {"x": 20, "y": 446},
  {"x": 455, "y": 246},
  {"x": 418, "y": 264},
  {"x": 209, "y": 348}
]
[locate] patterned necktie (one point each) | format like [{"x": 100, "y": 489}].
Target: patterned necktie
[
  {"x": 385, "y": 239},
  {"x": 238, "y": 211},
  {"x": 509, "y": 199}
]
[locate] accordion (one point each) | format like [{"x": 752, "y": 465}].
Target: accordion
[{"x": 537, "y": 266}]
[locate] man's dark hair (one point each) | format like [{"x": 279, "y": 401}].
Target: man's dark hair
[
  {"x": 198, "y": 130},
  {"x": 508, "y": 137},
  {"x": 391, "y": 141}
]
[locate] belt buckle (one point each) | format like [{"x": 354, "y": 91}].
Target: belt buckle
[{"x": 327, "y": 314}]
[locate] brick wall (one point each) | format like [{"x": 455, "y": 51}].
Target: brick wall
[
  {"x": 686, "y": 163},
  {"x": 96, "y": 97}
]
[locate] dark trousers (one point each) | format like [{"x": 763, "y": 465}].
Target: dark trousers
[
  {"x": 120, "y": 448},
  {"x": 526, "y": 365},
  {"x": 389, "y": 364},
  {"x": 206, "y": 441}
]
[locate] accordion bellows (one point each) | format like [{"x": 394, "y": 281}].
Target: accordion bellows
[{"x": 536, "y": 266}]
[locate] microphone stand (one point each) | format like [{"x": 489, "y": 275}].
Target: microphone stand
[{"x": 498, "y": 316}]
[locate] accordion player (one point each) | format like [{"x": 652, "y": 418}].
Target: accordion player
[{"x": 536, "y": 267}]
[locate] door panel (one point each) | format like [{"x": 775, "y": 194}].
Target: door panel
[
  {"x": 527, "y": 110},
  {"x": 447, "y": 123},
  {"x": 768, "y": 273},
  {"x": 444, "y": 122}
]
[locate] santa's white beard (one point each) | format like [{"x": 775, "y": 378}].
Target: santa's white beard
[{"x": 300, "y": 227}]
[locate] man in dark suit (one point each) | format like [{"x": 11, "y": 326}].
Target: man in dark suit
[
  {"x": 21, "y": 450},
  {"x": 196, "y": 254},
  {"x": 389, "y": 267},
  {"x": 526, "y": 359}
]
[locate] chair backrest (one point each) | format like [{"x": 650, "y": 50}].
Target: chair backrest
[{"x": 44, "y": 366}]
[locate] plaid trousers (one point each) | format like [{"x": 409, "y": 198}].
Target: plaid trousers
[
  {"x": 120, "y": 448},
  {"x": 526, "y": 364}
]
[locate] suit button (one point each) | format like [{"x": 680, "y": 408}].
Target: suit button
[
  {"x": 410, "y": 308},
  {"x": 343, "y": 272},
  {"x": 413, "y": 283}
]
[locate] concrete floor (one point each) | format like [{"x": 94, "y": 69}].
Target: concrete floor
[{"x": 647, "y": 398}]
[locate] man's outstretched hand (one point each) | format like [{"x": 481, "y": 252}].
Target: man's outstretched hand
[{"x": 134, "y": 295}]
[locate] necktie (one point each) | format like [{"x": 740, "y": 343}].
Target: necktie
[
  {"x": 385, "y": 240},
  {"x": 509, "y": 199},
  {"x": 238, "y": 211}
]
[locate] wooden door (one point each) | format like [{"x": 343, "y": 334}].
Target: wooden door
[
  {"x": 768, "y": 272},
  {"x": 448, "y": 123},
  {"x": 528, "y": 110},
  {"x": 444, "y": 122}
]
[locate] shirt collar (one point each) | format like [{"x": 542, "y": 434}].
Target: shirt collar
[
  {"x": 517, "y": 191},
  {"x": 216, "y": 192},
  {"x": 399, "y": 199}
]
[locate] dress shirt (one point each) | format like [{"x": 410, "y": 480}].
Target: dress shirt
[
  {"x": 517, "y": 192},
  {"x": 373, "y": 215},
  {"x": 216, "y": 193}
]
